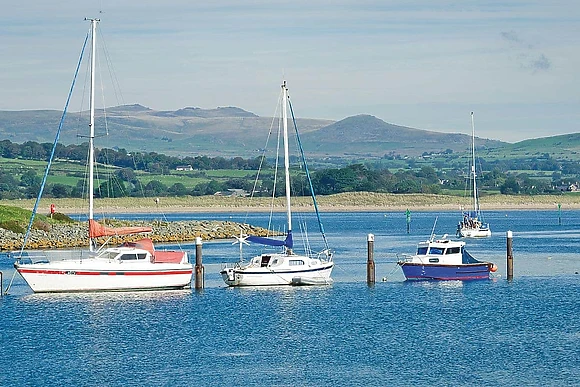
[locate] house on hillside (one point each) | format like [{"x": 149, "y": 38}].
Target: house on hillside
[
  {"x": 184, "y": 168},
  {"x": 572, "y": 187}
]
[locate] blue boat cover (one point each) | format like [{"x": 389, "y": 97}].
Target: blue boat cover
[
  {"x": 467, "y": 258},
  {"x": 273, "y": 242}
]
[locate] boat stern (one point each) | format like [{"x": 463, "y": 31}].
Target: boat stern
[{"x": 229, "y": 276}]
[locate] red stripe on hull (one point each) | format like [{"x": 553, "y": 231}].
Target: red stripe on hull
[{"x": 89, "y": 273}]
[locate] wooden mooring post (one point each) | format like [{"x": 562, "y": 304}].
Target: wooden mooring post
[
  {"x": 370, "y": 259},
  {"x": 199, "y": 269},
  {"x": 510, "y": 256},
  {"x": 1, "y": 284}
]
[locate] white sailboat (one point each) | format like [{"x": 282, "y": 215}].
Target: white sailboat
[
  {"x": 131, "y": 266},
  {"x": 284, "y": 267},
  {"x": 471, "y": 224}
]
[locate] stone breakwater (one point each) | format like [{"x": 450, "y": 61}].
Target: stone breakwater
[{"x": 76, "y": 235}]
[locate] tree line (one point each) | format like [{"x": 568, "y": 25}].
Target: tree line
[{"x": 124, "y": 181}]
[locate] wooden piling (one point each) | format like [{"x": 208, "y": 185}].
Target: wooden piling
[
  {"x": 510, "y": 256},
  {"x": 199, "y": 269},
  {"x": 1, "y": 284},
  {"x": 370, "y": 259}
]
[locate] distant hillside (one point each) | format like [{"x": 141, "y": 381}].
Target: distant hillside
[
  {"x": 563, "y": 147},
  {"x": 367, "y": 135},
  {"x": 228, "y": 132}
]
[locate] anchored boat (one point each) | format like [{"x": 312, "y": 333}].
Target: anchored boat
[
  {"x": 284, "y": 267},
  {"x": 444, "y": 259},
  {"x": 471, "y": 224},
  {"x": 131, "y": 266}
]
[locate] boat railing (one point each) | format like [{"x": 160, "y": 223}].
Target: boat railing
[
  {"x": 404, "y": 257},
  {"x": 324, "y": 255},
  {"x": 42, "y": 256}
]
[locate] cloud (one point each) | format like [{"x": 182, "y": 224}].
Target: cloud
[
  {"x": 510, "y": 36},
  {"x": 540, "y": 63},
  {"x": 525, "y": 53}
]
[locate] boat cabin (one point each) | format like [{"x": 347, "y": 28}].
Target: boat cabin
[{"x": 443, "y": 252}]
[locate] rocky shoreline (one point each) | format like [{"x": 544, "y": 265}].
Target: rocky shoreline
[{"x": 76, "y": 234}]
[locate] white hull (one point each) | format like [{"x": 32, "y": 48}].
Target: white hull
[
  {"x": 314, "y": 272},
  {"x": 474, "y": 233},
  {"x": 95, "y": 274}
]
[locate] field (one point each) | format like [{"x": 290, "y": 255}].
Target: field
[{"x": 357, "y": 201}]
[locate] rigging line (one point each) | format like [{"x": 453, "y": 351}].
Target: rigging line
[
  {"x": 320, "y": 226},
  {"x": 27, "y": 235},
  {"x": 263, "y": 156},
  {"x": 112, "y": 73}
]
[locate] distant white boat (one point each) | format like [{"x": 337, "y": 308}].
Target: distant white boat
[
  {"x": 471, "y": 224},
  {"x": 285, "y": 267},
  {"x": 131, "y": 266}
]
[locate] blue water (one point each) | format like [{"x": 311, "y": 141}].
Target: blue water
[{"x": 523, "y": 332}]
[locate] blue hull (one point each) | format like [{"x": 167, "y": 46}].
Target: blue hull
[{"x": 418, "y": 271}]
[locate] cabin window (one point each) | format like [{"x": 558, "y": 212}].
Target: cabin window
[
  {"x": 109, "y": 255},
  {"x": 295, "y": 262},
  {"x": 433, "y": 260},
  {"x": 436, "y": 251},
  {"x": 142, "y": 256},
  {"x": 265, "y": 260},
  {"x": 128, "y": 257},
  {"x": 453, "y": 250},
  {"x": 422, "y": 251}
]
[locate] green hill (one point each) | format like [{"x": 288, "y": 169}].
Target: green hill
[{"x": 227, "y": 132}]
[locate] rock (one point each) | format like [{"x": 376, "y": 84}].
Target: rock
[{"x": 75, "y": 235}]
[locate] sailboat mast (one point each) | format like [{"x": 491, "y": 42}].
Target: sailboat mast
[
  {"x": 92, "y": 122},
  {"x": 286, "y": 161},
  {"x": 475, "y": 204}
]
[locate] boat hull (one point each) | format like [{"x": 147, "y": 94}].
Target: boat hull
[
  {"x": 267, "y": 277},
  {"x": 474, "y": 233},
  {"x": 420, "y": 271},
  {"x": 83, "y": 276}
]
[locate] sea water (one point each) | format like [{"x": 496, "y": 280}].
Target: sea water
[{"x": 490, "y": 332}]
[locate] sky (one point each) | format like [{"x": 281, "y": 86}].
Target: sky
[{"x": 424, "y": 64}]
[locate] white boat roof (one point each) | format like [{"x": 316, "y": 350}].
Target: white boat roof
[{"x": 442, "y": 243}]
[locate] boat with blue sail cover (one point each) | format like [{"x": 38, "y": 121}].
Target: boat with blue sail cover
[
  {"x": 444, "y": 259},
  {"x": 283, "y": 266}
]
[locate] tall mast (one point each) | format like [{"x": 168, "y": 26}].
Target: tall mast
[
  {"x": 92, "y": 122},
  {"x": 286, "y": 161},
  {"x": 475, "y": 204}
]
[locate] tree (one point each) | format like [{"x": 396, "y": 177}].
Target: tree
[
  {"x": 60, "y": 190},
  {"x": 112, "y": 188},
  {"x": 178, "y": 189},
  {"x": 125, "y": 174},
  {"x": 30, "y": 179},
  {"x": 155, "y": 188},
  {"x": 510, "y": 187}
]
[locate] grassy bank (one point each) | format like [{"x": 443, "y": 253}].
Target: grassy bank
[{"x": 359, "y": 201}]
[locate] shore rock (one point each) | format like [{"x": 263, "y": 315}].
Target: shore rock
[{"x": 76, "y": 235}]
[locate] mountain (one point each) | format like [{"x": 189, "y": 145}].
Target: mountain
[
  {"x": 228, "y": 132},
  {"x": 365, "y": 135}
]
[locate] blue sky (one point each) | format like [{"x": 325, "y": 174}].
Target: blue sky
[{"x": 419, "y": 63}]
